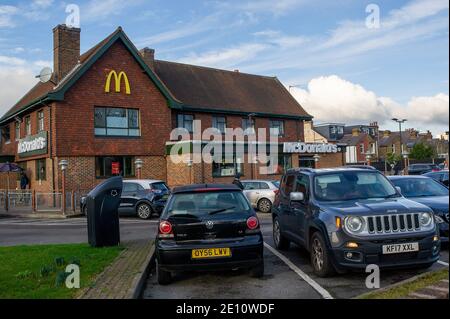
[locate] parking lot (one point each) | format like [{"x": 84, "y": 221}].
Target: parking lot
[{"x": 287, "y": 275}]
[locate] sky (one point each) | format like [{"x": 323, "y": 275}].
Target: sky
[{"x": 339, "y": 60}]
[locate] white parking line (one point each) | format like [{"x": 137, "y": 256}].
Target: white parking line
[
  {"x": 443, "y": 263},
  {"x": 66, "y": 222},
  {"x": 324, "y": 293}
]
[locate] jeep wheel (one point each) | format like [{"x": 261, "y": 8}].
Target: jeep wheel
[
  {"x": 163, "y": 277},
  {"x": 280, "y": 241},
  {"x": 264, "y": 205},
  {"x": 320, "y": 259},
  {"x": 144, "y": 211}
]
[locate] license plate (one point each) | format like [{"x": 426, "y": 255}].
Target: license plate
[
  {"x": 400, "y": 248},
  {"x": 211, "y": 253}
]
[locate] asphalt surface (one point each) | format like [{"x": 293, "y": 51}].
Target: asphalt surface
[
  {"x": 26, "y": 231},
  {"x": 288, "y": 274},
  {"x": 280, "y": 282}
]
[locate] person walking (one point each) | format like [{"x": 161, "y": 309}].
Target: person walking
[{"x": 24, "y": 181}]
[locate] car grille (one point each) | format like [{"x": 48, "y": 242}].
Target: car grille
[{"x": 393, "y": 223}]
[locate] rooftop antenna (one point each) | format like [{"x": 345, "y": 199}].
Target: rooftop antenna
[{"x": 45, "y": 75}]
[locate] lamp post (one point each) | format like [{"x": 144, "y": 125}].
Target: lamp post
[
  {"x": 316, "y": 159},
  {"x": 368, "y": 158},
  {"x": 400, "y": 122},
  {"x": 406, "y": 157},
  {"x": 139, "y": 163},
  {"x": 63, "y": 165}
]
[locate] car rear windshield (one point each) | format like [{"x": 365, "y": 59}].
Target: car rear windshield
[
  {"x": 420, "y": 187},
  {"x": 204, "y": 203},
  {"x": 352, "y": 185},
  {"x": 159, "y": 186}
]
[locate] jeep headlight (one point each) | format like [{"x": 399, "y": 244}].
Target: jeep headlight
[
  {"x": 426, "y": 219},
  {"x": 354, "y": 224}
]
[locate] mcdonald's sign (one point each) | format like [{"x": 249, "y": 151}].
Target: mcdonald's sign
[{"x": 118, "y": 82}]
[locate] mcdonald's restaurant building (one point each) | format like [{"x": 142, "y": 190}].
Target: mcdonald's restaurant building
[{"x": 103, "y": 110}]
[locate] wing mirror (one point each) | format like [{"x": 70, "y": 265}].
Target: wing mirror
[
  {"x": 399, "y": 189},
  {"x": 297, "y": 197}
]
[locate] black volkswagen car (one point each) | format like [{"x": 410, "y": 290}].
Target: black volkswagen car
[
  {"x": 427, "y": 191},
  {"x": 348, "y": 218},
  {"x": 208, "y": 227}
]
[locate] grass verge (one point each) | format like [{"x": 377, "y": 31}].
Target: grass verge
[
  {"x": 410, "y": 287},
  {"x": 38, "y": 272}
]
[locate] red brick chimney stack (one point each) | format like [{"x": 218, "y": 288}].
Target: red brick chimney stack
[
  {"x": 149, "y": 57},
  {"x": 66, "y": 50}
]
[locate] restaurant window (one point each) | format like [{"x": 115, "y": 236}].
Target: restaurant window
[
  {"x": 6, "y": 134},
  {"x": 40, "y": 115},
  {"x": 224, "y": 169},
  {"x": 41, "y": 170},
  {"x": 17, "y": 130},
  {"x": 284, "y": 163},
  {"x": 248, "y": 125},
  {"x": 108, "y": 166},
  {"x": 277, "y": 128},
  {"x": 117, "y": 122},
  {"x": 186, "y": 121},
  {"x": 220, "y": 123},
  {"x": 28, "y": 125}
]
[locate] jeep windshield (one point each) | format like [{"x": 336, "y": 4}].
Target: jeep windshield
[
  {"x": 198, "y": 204},
  {"x": 352, "y": 185}
]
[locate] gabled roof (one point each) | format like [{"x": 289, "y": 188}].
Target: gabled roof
[
  {"x": 351, "y": 140},
  {"x": 43, "y": 92},
  {"x": 186, "y": 87},
  {"x": 214, "y": 90}
]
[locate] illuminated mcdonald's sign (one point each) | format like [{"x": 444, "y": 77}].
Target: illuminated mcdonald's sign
[{"x": 118, "y": 81}]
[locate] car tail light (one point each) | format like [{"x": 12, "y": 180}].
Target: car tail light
[
  {"x": 165, "y": 229},
  {"x": 252, "y": 223}
]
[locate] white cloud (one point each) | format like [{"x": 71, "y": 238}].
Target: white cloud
[
  {"x": 20, "y": 80},
  {"x": 277, "y": 8},
  {"x": 11, "y": 61},
  {"x": 42, "y": 3},
  {"x": 226, "y": 58},
  {"x": 6, "y": 15},
  {"x": 102, "y": 9},
  {"x": 333, "y": 99}
]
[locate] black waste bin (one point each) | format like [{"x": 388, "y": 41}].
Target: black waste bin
[{"x": 102, "y": 213}]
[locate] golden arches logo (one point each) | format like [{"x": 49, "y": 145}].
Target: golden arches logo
[{"x": 118, "y": 81}]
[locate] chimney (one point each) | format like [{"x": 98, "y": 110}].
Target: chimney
[
  {"x": 149, "y": 57},
  {"x": 413, "y": 134},
  {"x": 66, "y": 50},
  {"x": 355, "y": 132},
  {"x": 386, "y": 133}
]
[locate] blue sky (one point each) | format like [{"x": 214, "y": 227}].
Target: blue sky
[{"x": 343, "y": 71}]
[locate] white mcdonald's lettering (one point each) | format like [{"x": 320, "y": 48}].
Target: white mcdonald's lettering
[
  {"x": 118, "y": 82},
  {"x": 309, "y": 148}
]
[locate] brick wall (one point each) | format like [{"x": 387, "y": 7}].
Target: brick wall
[
  {"x": 75, "y": 117},
  {"x": 331, "y": 160}
]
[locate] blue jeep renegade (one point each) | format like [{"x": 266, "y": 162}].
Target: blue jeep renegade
[{"x": 348, "y": 218}]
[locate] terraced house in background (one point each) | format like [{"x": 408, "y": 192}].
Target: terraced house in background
[{"x": 105, "y": 109}]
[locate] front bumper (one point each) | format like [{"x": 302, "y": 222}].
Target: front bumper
[
  {"x": 246, "y": 252},
  {"x": 370, "y": 251}
]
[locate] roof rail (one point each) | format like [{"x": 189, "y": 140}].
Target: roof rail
[{"x": 302, "y": 169}]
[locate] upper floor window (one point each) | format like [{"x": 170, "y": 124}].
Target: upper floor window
[
  {"x": 362, "y": 149},
  {"x": 248, "y": 125},
  {"x": 40, "y": 115},
  {"x": 340, "y": 130},
  {"x": 220, "y": 123},
  {"x": 28, "y": 125},
  {"x": 6, "y": 134},
  {"x": 116, "y": 122},
  {"x": 186, "y": 121},
  {"x": 277, "y": 128},
  {"x": 17, "y": 130}
]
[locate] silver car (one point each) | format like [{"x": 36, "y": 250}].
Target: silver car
[{"x": 261, "y": 193}]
